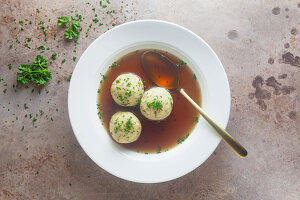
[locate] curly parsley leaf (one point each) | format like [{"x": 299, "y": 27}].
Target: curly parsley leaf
[
  {"x": 62, "y": 21},
  {"x": 37, "y": 72}
]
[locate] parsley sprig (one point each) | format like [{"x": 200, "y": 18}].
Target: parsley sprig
[
  {"x": 37, "y": 72},
  {"x": 73, "y": 27}
]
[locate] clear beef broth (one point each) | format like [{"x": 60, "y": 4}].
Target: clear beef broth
[{"x": 156, "y": 136}]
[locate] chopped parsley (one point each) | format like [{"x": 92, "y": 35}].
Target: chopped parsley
[
  {"x": 195, "y": 118},
  {"x": 69, "y": 78},
  {"x": 41, "y": 48},
  {"x": 114, "y": 64},
  {"x": 53, "y": 56},
  {"x": 156, "y": 105},
  {"x": 194, "y": 77},
  {"x": 158, "y": 150},
  {"x": 181, "y": 140},
  {"x": 104, "y": 76},
  {"x": 180, "y": 63},
  {"x": 128, "y": 93},
  {"x": 128, "y": 125}
]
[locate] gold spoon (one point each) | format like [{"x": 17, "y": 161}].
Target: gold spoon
[{"x": 164, "y": 74}]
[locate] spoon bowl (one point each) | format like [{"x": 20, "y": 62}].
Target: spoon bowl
[{"x": 160, "y": 69}]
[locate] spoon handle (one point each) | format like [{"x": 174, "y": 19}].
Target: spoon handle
[{"x": 233, "y": 144}]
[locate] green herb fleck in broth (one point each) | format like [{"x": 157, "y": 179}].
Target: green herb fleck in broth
[
  {"x": 181, "y": 140},
  {"x": 194, "y": 77},
  {"x": 158, "y": 150},
  {"x": 180, "y": 63},
  {"x": 195, "y": 118}
]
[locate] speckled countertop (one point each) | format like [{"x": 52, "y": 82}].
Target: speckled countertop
[{"x": 258, "y": 43}]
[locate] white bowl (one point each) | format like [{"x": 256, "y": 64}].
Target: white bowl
[{"x": 82, "y": 98}]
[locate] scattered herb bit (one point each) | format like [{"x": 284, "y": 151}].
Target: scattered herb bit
[
  {"x": 156, "y": 105},
  {"x": 69, "y": 78},
  {"x": 26, "y": 45},
  {"x": 53, "y": 56},
  {"x": 37, "y": 10},
  {"x": 28, "y": 39},
  {"x": 34, "y": 119},
  {"x": 180, "y": 63},
  {"x": 22, "y": 128},
  {"x": 25, "y": 106},
  {"x": 194, "y": 77},
  {"x": 158, "y": 149},
  {"x": 42, "y": 112},
  {"x": 37, "y": 72},
  {"x": 128, "y": 125},
  {"x": 41, "y": 48},
  {"x": 98, "y": 91},
  {"x": 128, "y": 92},
  {"x": 104, "y": 76},
  {"x": 181, "y": 140},
  {"x": 4, "y": 91},
  {"x": 9, "y": 66},
  {"x": 74, "y": 58},
  {"x": 96, "y": 20},
  {"x": 114, "y": 64},
  {"x": 98, "y": 106},
  {"x": 63, "y": 61},
  {"x": 196, "y": 118}
]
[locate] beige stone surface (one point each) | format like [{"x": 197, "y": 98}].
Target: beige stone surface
[{"x": 258, "y": 43}]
